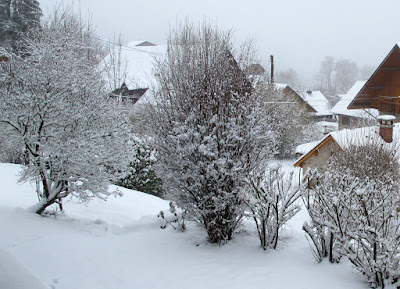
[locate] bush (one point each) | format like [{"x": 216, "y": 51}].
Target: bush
[{"x": 354, "y": 212}]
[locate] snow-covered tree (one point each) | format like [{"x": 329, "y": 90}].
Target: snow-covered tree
[
  {"x": 53, "y": 101},
  {"x": 208, "y": 127},
  {"x": 141, "y": 173},
  {"x": 354, "y": 210}
]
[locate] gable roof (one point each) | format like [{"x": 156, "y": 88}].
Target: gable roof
[
  {"x": 383, "y": 85},
  {"x": 317, "y": 101},
  {"x": 346, "y": 99},
  {"x": 286, "y": 89},
  {"x": 314, "y": 147},
  {"x": 347, "y": 137},
  {"x": 140, "y": 57}
]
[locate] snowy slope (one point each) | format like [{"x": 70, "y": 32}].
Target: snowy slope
[{"x": 118, "y": 244}]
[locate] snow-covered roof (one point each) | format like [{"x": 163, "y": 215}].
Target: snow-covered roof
[
  {"x": 280, "y": 85},
  {"x": 306, "y": 147},
  {"x": 347, "y": 137},
  {"x": 346, "y": 99},
  {"x": 140, "y": 62},
  {"x": 330, "y": 124},
  {"x": 317, "y": 101}
]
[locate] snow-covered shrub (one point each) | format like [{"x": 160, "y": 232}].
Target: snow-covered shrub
[
  {"x": 325, "y": 199},
  {"x": 141, "y": 174},
  {"x": 175, "y": 219},
  {"x": 354, "y": 210},
  {"x": 270, "y": 199},
  {"x": 53, "y": 102},
  {"x": 208, "y": 127}
]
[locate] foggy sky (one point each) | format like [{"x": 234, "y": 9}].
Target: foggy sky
[{"x": 299, "y": 33}]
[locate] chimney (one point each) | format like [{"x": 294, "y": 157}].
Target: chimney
[{"x": 386, "y": 127}]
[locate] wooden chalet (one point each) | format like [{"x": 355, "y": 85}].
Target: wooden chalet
[{"x": 382, "y": 90}]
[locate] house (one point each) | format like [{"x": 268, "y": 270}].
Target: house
[
  {"x": 381, "y": 92},
  {"x": 136, "y": 70},
  {"x": 382, "y": 89},
  {"x": 314, "y": 102},
  {"x": 126, "y": 95},
  {"x": 348, "y": 118},
  {"x": 316, "y": 155}
]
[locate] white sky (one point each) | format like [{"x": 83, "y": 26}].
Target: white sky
[{"x": 299, "y": 33}]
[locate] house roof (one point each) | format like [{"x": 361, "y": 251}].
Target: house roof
[
  {"x": 290, "y": 91},
  {"x": 382, "y": 85},
  {"x": 346, "y": 99},
  {"x": 310, "y": 148},
  {"x": 345, "y": 138},
  {"x": 140, "y": 58},
  {"x": 317, "y": 101}
]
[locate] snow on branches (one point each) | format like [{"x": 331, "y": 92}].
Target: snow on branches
[
  {"x": 354, "y": 213},
  {"x": 271, "y": 199},
  {"x": 208, "y": 128},
  {"x": 52, "y": 100}
]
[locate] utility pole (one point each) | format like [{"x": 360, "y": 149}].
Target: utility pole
[{"x": 272, "y": 68}]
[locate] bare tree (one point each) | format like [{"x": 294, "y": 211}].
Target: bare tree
[
  {"x": 325, "y": 76},
  {"x": 366, "y": 71},
  {"x": 288, "y": 76},
  {"x": 346, "y": 74},
  {"x": 116, "y": 65}
]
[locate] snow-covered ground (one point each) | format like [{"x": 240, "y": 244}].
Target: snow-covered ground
[{"x": 119, "y": 244}]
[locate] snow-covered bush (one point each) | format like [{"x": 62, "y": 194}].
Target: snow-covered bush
[
  {"x": 53, "y": 103},
  {"x": 208, "y": 127},
  {"x": 174, "y": 218},
  {"x": 270, "y": 199},
  {"x": 354, "y": 210},
  {"x": 141, "y": 174}
]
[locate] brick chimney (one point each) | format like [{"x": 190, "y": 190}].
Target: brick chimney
[{"x": 386, "y": 127}]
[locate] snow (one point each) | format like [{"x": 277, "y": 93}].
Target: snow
[
  {"x": 314, "y": 98},
  {"x": 306, "y": 147},
  {"x": 11, "y": 271},
  {"x": 140, "y": 61},
  {"x": 346, "y": 99},
  {"x": 118, "y": 244},
  {"x": 358, "y": 136},
  {"x": 386, "y": 117},
  {"x": 317, "y": 101},
  {"x": 280, "y": 85}
]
